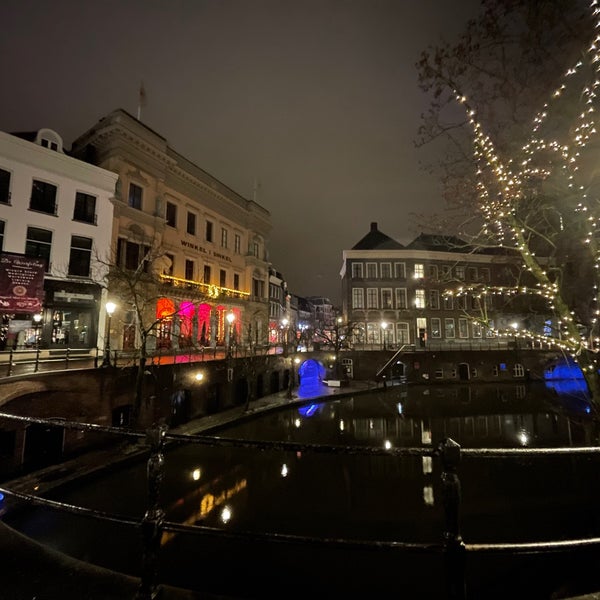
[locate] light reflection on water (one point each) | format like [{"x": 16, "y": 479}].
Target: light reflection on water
[{"x": 354, "y": 496}]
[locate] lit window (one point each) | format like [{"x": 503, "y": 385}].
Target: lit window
[
  {"x": 420, "y": 298},
  {"x": 419, "y": 271}
]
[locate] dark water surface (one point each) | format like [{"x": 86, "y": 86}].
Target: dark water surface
[{"x": 361, "y": 497}]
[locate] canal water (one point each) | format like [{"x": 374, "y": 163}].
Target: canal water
[{"x": 359, "y": 497}]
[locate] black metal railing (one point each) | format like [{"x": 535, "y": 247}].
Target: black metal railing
[{"x": 153, "y": 524}]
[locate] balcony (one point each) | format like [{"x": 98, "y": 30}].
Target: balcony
[{"x": 206, "y": 289}]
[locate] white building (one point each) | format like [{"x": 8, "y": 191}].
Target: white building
[{"x": 55, "y": 208}]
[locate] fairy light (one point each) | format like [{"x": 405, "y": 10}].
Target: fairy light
[{"x": 503, "y": 185}]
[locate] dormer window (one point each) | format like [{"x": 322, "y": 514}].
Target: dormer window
[{"x": 49, "y": 139}]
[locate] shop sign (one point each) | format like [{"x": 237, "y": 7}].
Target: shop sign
[{"x": 21, "y": 283}]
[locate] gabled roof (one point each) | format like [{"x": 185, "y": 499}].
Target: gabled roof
[
  {"x": 376, "y": 240},
  {"x": 440, "y": 243}
]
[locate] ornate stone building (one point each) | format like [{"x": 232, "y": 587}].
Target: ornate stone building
[{"x": 203, "y": 242}]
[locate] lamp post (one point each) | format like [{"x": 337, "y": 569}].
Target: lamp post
[
  {"x": 37, "y": 319},
  {"x": 230, "y": 319},
  {"x": 383, "y": 334},
  {"x": 110, "y": 309}
]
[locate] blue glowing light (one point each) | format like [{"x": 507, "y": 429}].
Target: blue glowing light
[
  {"x": 309, "y": 410},
  {"x": 1, "y": 496}
]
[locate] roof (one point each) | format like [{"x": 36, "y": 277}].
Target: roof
[
  {"x": 440, "y": 243},
  {"x": 376, "y": 240}
]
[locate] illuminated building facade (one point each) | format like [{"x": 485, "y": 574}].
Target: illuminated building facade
[
  {"x": 395, "y": 295},
  {"x": 57, "y": 210},
  {"x": 204, "y": 243}
]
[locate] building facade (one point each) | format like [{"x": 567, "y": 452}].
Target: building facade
[
  {"x": 58, "y": 210},
  {"x": 204, "y": 244},
  {"x": 426, "y": 292}
]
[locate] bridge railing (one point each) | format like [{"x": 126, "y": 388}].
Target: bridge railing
[{"x": 153, "y": 523}]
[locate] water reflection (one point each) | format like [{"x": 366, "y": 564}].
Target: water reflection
[{"x": 354, "y": 496}]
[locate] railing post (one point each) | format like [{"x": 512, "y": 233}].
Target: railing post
[
  {"x": 154, "y": 516},
  {"x": 37, "y": 359},
  {"x": 449, "y": 452}
]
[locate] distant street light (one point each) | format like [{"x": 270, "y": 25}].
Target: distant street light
[
  {"x": 37, "y": 319},
  {"x": 383, "y": 334},
  {"x": 230, "y": 319},
  {"x": 285, "y": 325},
  {"x": 110, "y": 309}
]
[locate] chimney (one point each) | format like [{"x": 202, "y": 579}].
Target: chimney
[{"x": 373, "y": 227}]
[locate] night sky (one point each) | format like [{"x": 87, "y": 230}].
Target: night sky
[{"x": 316, "y": 100}]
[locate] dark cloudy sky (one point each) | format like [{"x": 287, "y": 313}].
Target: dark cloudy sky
[{"x": 317, "y": 100}]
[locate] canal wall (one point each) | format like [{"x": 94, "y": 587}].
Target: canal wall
[{"x": 177, "y": 393}]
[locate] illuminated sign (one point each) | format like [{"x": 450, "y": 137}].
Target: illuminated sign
[{"x": 21, "y": 283}]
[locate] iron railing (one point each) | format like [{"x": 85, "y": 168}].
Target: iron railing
[{"x": 153, "y": 523}]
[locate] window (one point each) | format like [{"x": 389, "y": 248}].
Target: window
[
  {"x": 386, "y": 298},
  {"x": 85, "y": 208},
  {"x": 223, "y": 278},
  {"x": 449, "y": 328},
  {"x": 39, "y": 244},
  {"x": 386, "y": 270},
  {"x": 236, "y": 281},
  {"x": 372, "y": 298},
  {"x": 432, "y": 272},
  {"x": 518, "y": 370},
  {"x": 485, "y": 274},
  {"x": 209, "y": 231},
  {"x": 255, "y": 249},
  {"x": 206, "y": 274},
  {"x": 472, "y": 273},
  {"x": 357, "y": 270},
  {"x": 436, "y": 327},
  {"x": 189, "y": 269},
  {"x": 171, "y": 214},
  {"x": 462, "y": 302},
  {"x": 358, "y": 298},
  {"x": 434, "y": 299},
  {"x": 191, "y": 223},
  {"x": 420, "y": 298},
  {"x": 402, "y": 334},
  {"x": 223, "y": 237},
  {"x": 460, "y": 273},
  {"x": 131, "y": 254},
  {"x": 237, "y": 243},
  {"x": 399, "y": 270},
  {"x": 400, "y": 298},
  {"x": 463, "y": 328},
  {"x": 43, "y": 197},
  {"x": 135, "y": 196},
  {"x": 4, "y": 186},
  {"x": 446, "y": 272},
  {"x": 371, "y": 270},
  {"x": 170, "y": 268},
  {"x": 2, "y": 224},
  {"x": 448, "y": 302},
  {"x": 475, "y": 304},
  {"x": 80, "y": 257},
  {"x": 476, "y": 330},
  {"x": 419, "y": 271}
]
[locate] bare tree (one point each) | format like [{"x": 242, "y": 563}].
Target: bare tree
[
  {"x": 135, "y": 282},
  {"x": 531, "y": 174}
]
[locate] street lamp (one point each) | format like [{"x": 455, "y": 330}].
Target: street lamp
[
  {"x": 384, "y": 331},
  {"x": 37, "y": 319},
  {"x": 230, "y": 319},
  {"x": 110, "y": 309}
]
